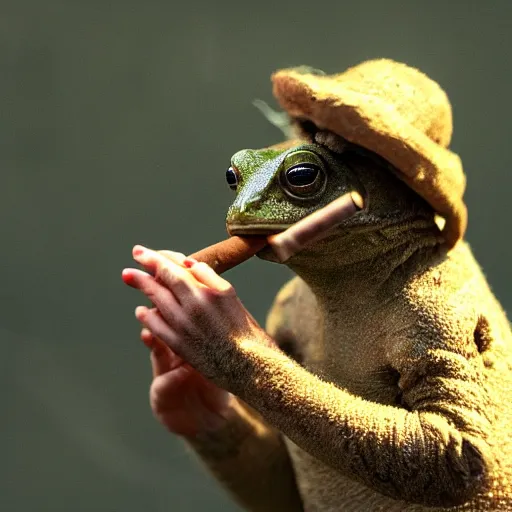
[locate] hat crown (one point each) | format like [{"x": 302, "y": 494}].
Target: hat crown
[
  {"x": 397, "y": 112},
  {"x": 419, "y": 100}
]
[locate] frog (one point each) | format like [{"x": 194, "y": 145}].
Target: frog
[{"x": 381, "y": 381}]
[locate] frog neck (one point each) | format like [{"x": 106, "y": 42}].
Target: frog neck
[{"x": 356, "y": 270}]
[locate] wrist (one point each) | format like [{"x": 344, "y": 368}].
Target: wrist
[{"x": 222, "y": 437}]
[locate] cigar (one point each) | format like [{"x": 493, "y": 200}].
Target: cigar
[{"x": 229, "y": 253}]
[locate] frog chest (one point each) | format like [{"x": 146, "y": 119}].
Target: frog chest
[
  {"x": 351, "y": 356},
  {"x": 339, "y": 345}
]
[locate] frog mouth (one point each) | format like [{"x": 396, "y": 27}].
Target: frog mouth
[{"x": 255, "y": 229}]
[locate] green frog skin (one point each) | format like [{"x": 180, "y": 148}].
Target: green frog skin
[{"x": 392, "y": 387}]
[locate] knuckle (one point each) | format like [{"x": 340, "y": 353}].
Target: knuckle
[
  {"x": 228, "y": 290},
  {"x": 145, "y": 284},
  {"x": 165, "y": 275},
  {"x": 209, "y": 302},
  {"x": 176, "y": 278},
  {"x": 196, "y": 308},
  {"x": 224, "y": 291},
  {"x": 176, "y": 257},
  {"x": 153, "y": 295},
  {"x": 207, "y": 296}
]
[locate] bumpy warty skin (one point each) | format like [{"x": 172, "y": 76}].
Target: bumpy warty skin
[
  {"x": 464, "y": 375},
  {"x": 395, "y": 319},
  {"x": 392, "y": 387}
]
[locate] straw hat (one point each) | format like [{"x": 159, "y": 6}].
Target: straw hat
[{"x": 395, "y": 111}]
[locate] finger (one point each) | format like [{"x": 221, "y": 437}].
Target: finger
[
  {"x": 176, "y": 257},
  {"x": 148, "y": 285},
  {"x": 163, "y": 359},
  {"x": 147, "y": 338},
  {"x": 157, "y": 293},
  {"x": 133, "y": 276},
  {"x": 173, "y": 276},
  {"x": 207, "y": 276},
  {"x": 160, "y": 355},
  {"x": 153, "y": 321},
  {"x": 152, "y": 342}
]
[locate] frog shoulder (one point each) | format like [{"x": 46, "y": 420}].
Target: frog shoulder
[
  {"x": 455, "y": 281},
  {"x": 453, "y": 301},
  {"x": 293, "y": 318}
]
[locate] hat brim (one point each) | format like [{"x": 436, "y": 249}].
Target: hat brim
[{"x": 431, "y": 170}]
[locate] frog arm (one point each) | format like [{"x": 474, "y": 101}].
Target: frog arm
[
  {"x": 249, "y": 459},
  {"x": 248, "y": 456},
  {"x": 432, "y": 450}
]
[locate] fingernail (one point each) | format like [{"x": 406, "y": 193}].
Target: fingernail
[
  {"x": 138, "y": 250},
  {"x": 189, "y": 262},
  {"x": 146, "y": 333},
  {"x": 140, "y": 312},
  {"x": 127, "y": 276},
  {"x": 147, "y": 337}
]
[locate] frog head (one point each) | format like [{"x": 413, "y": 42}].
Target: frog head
[{"x": 277, "y": 186}]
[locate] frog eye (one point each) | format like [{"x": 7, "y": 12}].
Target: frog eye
[
  {"x": 232, "y": 177},
  {"x": 303, "y": 180},
  {"x": 302, "y": 175}
]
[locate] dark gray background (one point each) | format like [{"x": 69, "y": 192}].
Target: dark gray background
[{"x": 117, "y": 123}]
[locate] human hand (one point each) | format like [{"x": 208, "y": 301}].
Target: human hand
[
  {"x": 184, "y": 401},
  {"x": 197, "y": 321}
]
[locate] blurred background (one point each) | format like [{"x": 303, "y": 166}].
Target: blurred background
[{"x": 118, "y": 120}]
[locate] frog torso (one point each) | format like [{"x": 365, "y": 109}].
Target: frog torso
[
  {"x": 403, "y": 398},
  {"x": 355, "y": 348},
  {"x": 389, "y": 314}
]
